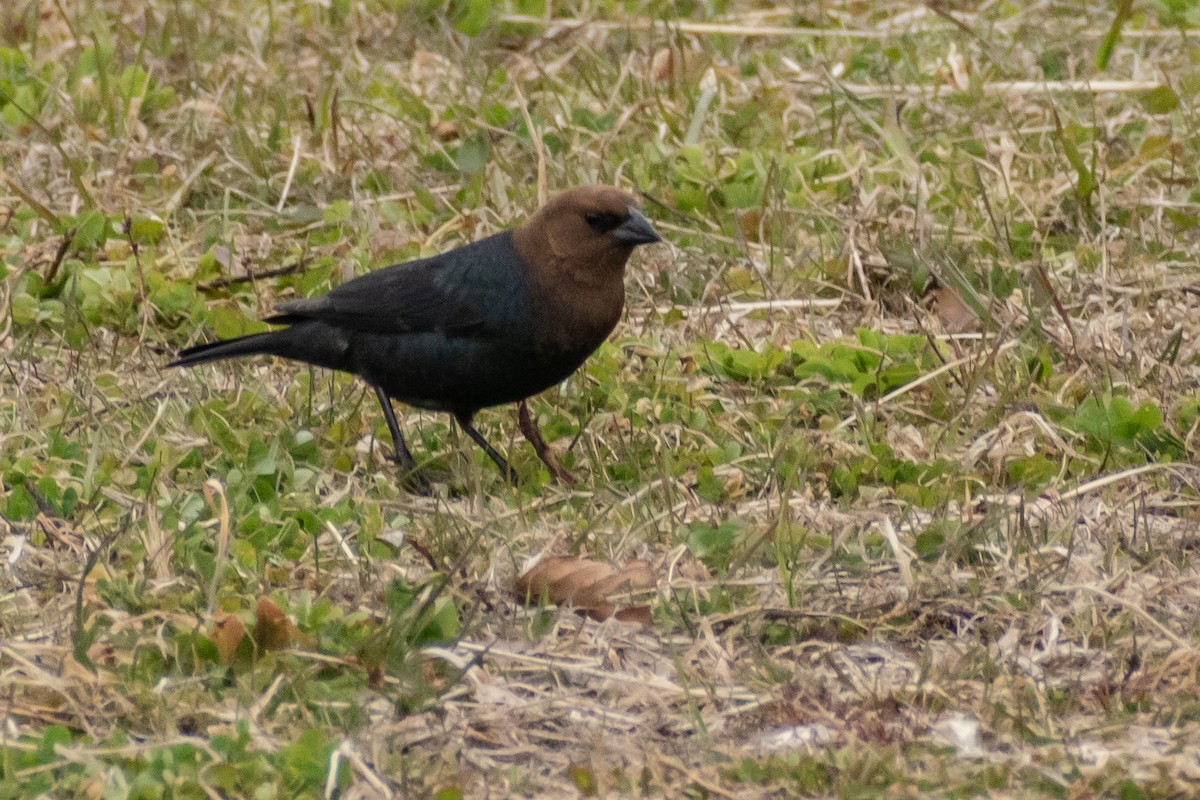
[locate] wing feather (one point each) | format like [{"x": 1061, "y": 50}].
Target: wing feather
[{"x": 459, "y": 292}]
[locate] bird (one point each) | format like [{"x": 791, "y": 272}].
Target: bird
[{"x": 492, "y": 322}]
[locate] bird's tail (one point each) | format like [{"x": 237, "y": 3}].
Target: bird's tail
[
  {"x": 255, "y": 344},
  {"x": 311, "y": 342}
]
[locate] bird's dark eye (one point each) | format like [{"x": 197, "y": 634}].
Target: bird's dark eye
[{"x": 601, "y": 221}]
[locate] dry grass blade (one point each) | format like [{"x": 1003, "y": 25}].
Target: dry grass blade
[
  {"x": 1001, "y": 88},
  {"x": 699, "y": 28},
  {"x": 214, "y": 496}
]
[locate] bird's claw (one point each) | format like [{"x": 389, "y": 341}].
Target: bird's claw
[{"x": 558, "y": 473}]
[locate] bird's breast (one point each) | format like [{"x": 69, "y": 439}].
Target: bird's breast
[{"x": 574, "y": 322}]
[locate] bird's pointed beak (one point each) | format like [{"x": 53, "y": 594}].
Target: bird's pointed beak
[{"x": 636, "y": 230}]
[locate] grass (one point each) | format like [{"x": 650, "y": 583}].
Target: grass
[{"x": 904, "y": 417}]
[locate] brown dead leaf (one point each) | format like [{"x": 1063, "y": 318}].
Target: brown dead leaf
[
  {"x": 223, "y": 256},
  {"x": 227, "y": 633},
  {"x": 272, "y": 631},
  {"x": 445, "y": 130},
  {"x": 681, "y": 64},
  {"x": 753, "y": 225},
  {"x": 588, "y": 586},
  {"x": 102, "y": 652},
  {"x": 955, "y": 314},
  {"x": 639, "y": 615},
  {"x": 432, "y": 677}
]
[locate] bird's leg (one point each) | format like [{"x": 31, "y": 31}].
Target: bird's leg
[
  {"x": 558, "y": 473},
  {"x": 402, "y": 456},
  {"x": 465, "y": 421}
]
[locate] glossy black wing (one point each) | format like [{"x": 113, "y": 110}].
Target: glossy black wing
[{"x": 459, "y": 291}]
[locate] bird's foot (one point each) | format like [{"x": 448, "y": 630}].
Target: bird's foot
[
  {"x": 558, "y": 473},
  {"x": 412, "y": 477}
]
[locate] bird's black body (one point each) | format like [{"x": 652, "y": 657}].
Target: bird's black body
[
  {"x": 458, "y": 332},
  {"x": 488, "y": 323}
]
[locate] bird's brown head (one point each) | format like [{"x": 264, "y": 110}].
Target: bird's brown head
[{"x": 585, "y": 235}]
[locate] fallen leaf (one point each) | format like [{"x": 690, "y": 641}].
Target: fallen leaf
[
  {"x": 955, "y": 314},
  {"x": 676, "y": 64},
  {"x": 272, "y": 631},
  {"x": 588, "y": 586},
  {"x": 223, "y": 257},
  {"x": 635, "y": 614},
  {"x": 753, "y": 225},
  {"x": 102, "y": 652},
  {"x": 445, "y": 130},
  {"x": 663, "y": 65},
  {"x": 227, "y": 633}
]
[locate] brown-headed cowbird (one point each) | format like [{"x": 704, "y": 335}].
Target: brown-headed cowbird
[{"x": 492, "y": 322}]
